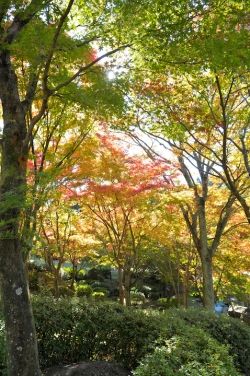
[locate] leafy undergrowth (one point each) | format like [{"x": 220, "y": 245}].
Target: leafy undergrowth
[{"x": 184, "y": 342}]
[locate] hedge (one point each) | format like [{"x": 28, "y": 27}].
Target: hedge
[{"x": 80, "y": 329}]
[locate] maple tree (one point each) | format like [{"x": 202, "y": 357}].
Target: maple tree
[
  {"x": 58, "y": 239},
  {"x": 190, "y": 96},
  {"x": 175, "y": 109},
  {"x": 117, "y": 195},
  {"x": 44, "y": 53},
  {"x": 175, "y": 256},
  {"x": 231, "y": 262}
]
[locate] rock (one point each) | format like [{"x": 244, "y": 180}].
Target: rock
[
  {"x": 98, "y": 368},
  {"x": 236, "y": 311},
  {"x": 246, "y": 316}
]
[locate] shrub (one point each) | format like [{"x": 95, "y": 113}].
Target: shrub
[
  {"x": 82, "y": 283},
  {"x": 66, "y": 273},
  {"x": 103, "y": 285},
  {"x": 193, "y": 353},
  {"x": 137, "y": 297},
  {"x": 106, "y": 271},
  {"x": 166, "y": 303},
  {"x": 146, "y": 290},
  {"x": 153, "y": 295},
  {"x": 33, "y": 280},
  {"x": 70, "y": 331},
  {"x": 102, "y": 290},
  {"x": 84, "y": 290},
  {"x": 80, "y": 275},
  {"x": 66, "y": 291},
  {"x": 98, "y": 295},
  {"x": 225, "y": 329},
  {"x": 63, "y": 291}
]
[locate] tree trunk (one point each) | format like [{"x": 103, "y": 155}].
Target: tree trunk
[
  {"x": 127, "y": 285},
  {"x": 121, "y": 289},
  {"x": 22, "y": 355},
  {"x": 185, "y": 286},
  {"x": 56, "y": 282},
  {"x": 206, "y": 259},
  {"x": 74, "y": 272},
  {"x": 207, "y": 273}
]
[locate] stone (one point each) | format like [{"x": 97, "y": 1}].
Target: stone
[
  {"x": 236, "y": 311},
  {"x": 246, "y": 316}
]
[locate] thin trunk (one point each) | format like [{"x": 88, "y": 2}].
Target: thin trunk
[
  {"x": 56, "y": 282},
  {"x": 127, "y": 285},
  {"x": 74, "y": 271},
  {"x": 185, "y": 286},
  {"x": 121, "y": 289}
]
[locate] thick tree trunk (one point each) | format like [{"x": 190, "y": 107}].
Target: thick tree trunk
[{"x": 22, "y": 355}]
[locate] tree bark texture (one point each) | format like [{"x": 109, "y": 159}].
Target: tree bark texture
[
  {"x": 22, "y": 354},
  {"x": 206, "y": 258}
]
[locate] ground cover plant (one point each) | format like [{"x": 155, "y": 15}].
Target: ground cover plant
[{"x": 194, "y": 342}]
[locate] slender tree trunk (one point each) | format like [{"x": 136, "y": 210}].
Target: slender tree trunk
[
  {"x": 206, "y": 259},
  {"x": 185, "y": 286},
  {"x": 74, "y": 272},
  {"x": 121, "y": 290},
  {"x": 56, "y": 282},
  {"x": 127, "y": 285},
  {"x": 22, "y": 355}
]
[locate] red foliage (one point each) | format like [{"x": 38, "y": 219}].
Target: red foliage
[
  {"x": 92, "y": 55},
  {"x": 112, "y": 170}
]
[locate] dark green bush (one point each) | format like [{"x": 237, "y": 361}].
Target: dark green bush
[
  {"x": 84, "y": 290},
  {"x": 33, "y": 280},
  {"x": 153, "y": 295},
  {"x": 193, "y": 353},
  {"x": 226, "y": 330},
  {"x": 85, "y": 330},
  {"x": 71, "y": 330},
  {"x": 103, "y": 285}
]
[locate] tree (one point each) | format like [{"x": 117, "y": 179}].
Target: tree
[
  {"x": 118, "y": 196},
  {"x": 44, "y": 25},
  {"x": 180, "y": 100},
  {"x": 173, "y": 117},
  {"x": 175, "y": 256},
  {"x": 57, "y": 237}
]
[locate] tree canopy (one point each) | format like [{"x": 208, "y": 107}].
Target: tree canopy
[{"x": 179, "y": 90}]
